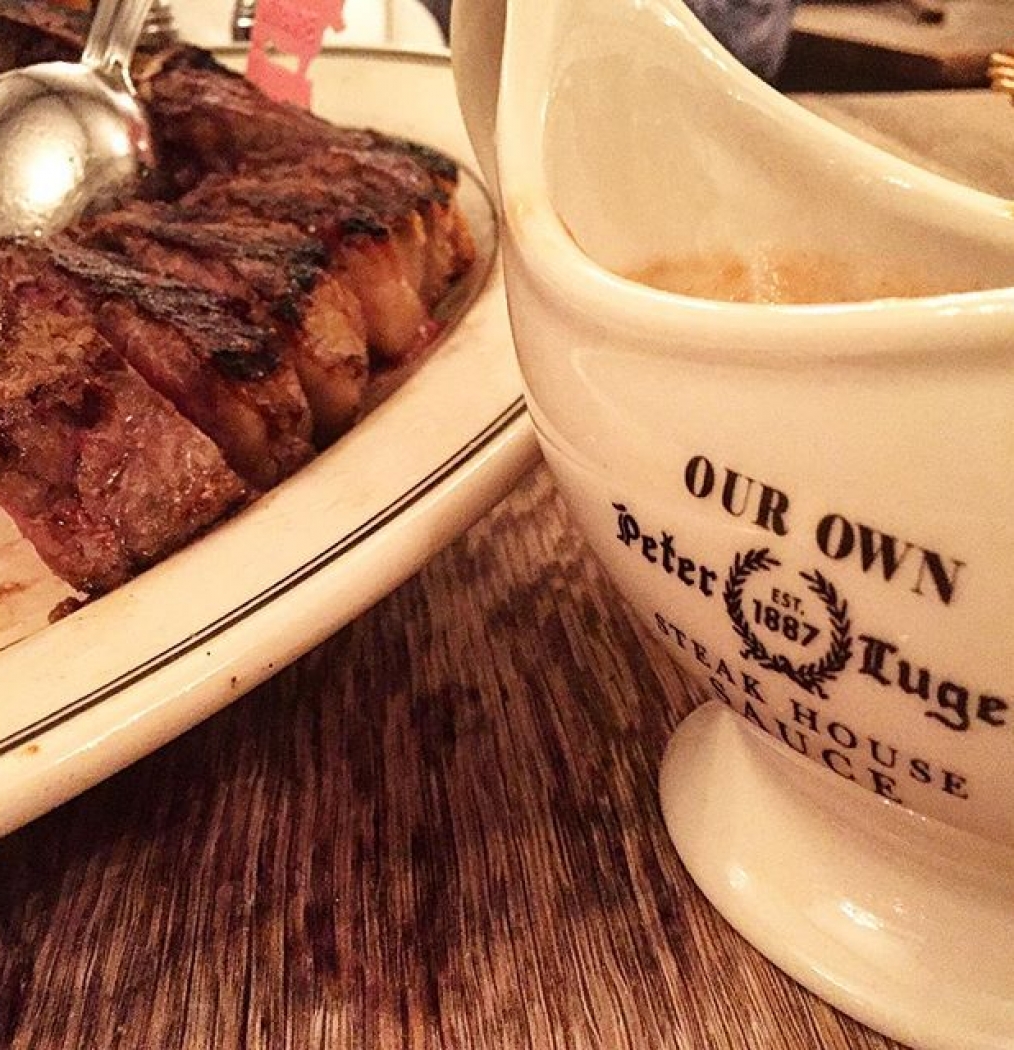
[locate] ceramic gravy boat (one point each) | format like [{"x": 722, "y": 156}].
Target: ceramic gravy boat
[{"x": 812, "y": 505}]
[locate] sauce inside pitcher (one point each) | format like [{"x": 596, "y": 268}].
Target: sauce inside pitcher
[{"x": 793, "y": 277}]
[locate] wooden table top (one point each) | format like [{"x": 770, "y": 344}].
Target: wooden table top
[{"x": 437, "y": 830}]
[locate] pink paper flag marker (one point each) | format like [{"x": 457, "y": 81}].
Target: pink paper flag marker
[{"x": 295, "y": 28}]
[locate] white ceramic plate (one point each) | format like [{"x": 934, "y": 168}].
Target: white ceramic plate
[{"x": 94, "y": 692}]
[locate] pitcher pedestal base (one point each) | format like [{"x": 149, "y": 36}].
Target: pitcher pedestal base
[{"x": 900, "y": 921}]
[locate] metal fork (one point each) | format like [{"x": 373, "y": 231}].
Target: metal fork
[
  {"x": 244, "y": 12},
  {"x": 160, "y": 26},
  {"x": 1001, "y": 72}
]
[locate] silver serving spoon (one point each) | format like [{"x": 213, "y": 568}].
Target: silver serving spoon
[{"x": 72, "y": 134}]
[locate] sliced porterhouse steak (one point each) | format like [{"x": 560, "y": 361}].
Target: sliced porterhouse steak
[
  {"x": 99, "y": 472},
  {"x": 190, "y": 350}
]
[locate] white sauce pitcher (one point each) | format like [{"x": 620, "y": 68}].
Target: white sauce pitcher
[{"x": 812, "y": 504}]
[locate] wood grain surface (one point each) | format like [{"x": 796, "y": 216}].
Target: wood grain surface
[{"x": 438, "y": 830}]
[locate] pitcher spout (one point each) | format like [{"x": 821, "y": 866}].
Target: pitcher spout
[
  {"x": 477, "y": 39},
  {"x": 627, "y": 125}
]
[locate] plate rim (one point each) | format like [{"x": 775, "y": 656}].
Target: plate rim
[{"x": 496, "y": 428}]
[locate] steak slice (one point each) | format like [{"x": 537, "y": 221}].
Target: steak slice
[
  {"x": 407, "y": 188},
  {"x": 100, "y": 473},
  {"x": 199, "y": 349},
  {"x": 278, "y": 272}
]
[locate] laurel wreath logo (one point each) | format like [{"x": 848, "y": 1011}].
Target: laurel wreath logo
[{"x": 809, "y": 676}]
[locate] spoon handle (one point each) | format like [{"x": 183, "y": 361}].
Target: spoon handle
[{"x": 115, "y": 29}]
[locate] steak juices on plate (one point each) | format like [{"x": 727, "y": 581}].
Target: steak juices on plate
[{"x": 162, "y": 364}]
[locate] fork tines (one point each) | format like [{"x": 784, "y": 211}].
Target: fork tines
[{"x": 1001, "y": 72}]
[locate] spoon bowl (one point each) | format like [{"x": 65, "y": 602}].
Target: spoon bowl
[{"x": 73, "y": 136}]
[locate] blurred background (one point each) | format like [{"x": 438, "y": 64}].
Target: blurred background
[
  {"x": 412, "y": 24},
  {"x": 831, "y": 45}
]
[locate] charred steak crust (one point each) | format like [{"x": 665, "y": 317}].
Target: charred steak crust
[
  {"x": 268, "y": 266},
  {"x": 214, "y": 323}
]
